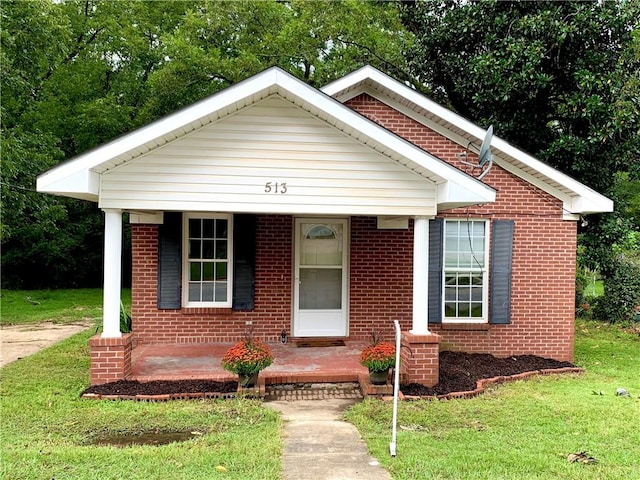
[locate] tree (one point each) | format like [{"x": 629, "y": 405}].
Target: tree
[
  {"x": 557, "y": 79},
  {"x": 77, "y": 73},
  {"x": 219, "y": 44},
  {"x": 72, "y": 77}
]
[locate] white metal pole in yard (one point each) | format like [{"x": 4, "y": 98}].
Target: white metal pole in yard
[{"x": 396, "y": 390}]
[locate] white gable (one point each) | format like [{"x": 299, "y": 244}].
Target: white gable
[
  {"x": 220, "y": 153},
  {"x": 273, "y": 157}
]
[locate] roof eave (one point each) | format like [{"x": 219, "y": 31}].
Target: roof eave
[
  {"x": 455, "y": 195},
  {"x": 592, "y": 204},
  {"x": 83, "y": 185},
  {"x": 174, "y": 123},
  {"x": 579, "y": 198}
]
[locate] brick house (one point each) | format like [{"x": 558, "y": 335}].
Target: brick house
[{"x": 330, "y": 213}]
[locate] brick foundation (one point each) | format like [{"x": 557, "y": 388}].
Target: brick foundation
[
  {"x": 110, "y": 358},
  {"x": 419, "y": 358}
]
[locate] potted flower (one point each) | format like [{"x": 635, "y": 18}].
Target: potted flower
[
  {"x": 246, "y": 358},
  {"x": 379, "y": 357}
]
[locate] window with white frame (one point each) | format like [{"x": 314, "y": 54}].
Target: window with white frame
[
  {"x": 207, "y": 262},
  {"x": 465, "y": 270}
]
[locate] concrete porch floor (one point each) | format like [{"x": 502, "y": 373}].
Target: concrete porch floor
[{"x": 291, "y": 364}]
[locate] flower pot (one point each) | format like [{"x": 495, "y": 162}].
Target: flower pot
[
  {"x": 247, "y": 381},
  {"x": 379, "y": 377}
]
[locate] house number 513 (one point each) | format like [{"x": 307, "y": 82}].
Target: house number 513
[{"x": 275, "y": 187}]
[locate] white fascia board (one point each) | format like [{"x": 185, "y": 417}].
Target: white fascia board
[
  {"x": 171, "y": 123},
  {"x": 591, "y": 204},
  {"x": 585, "y": 200},
  {"x": 83, "y": 184},
  {"x": 452, "y": 194},
  {"x": 474, "y": 190},
  {"x": 362, "y": 74},
  {"x": 146, "y": 217}
]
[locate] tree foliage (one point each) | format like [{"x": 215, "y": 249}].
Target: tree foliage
[
  {"x": 222, "y": 43},
  {"x": 622, "y": 291},
  {"x": 558, "y": 79},
  {"x": 77, "y": 73}
]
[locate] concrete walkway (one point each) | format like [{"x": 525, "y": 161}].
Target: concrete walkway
[
  {"x": 319, "y": 445},
  {"x": 19, "y": 341}
]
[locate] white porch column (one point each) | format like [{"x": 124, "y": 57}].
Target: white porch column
[
  {"x": 420, "y": 276},
  {"x": 112, "y": 272}
]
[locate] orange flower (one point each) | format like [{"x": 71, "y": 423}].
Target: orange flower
[
  {"x": 379, "y": 356},
  {"x": 247, "y": 357}
]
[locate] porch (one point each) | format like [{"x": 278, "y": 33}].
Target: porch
[
  {"x": 291, "y": 364},
  {"x": 123, "y": 358}
]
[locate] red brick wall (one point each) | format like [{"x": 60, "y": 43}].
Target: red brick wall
[
  {"x": 542, "y": 302},
  {"x": 419, "y": 360},
  {"x": 380, "y": 288},
  {"x": 381, "y": 278},
  {"x": 273, "y": 287},
  {"x": 544, "y": 252}
]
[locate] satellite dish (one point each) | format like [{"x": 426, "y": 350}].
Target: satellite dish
[
  {"x": 485, "y": 150},
  {"x": 485, "y": 158}
]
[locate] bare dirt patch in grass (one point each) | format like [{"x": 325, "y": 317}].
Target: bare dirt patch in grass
[{"x": 19, "y": 341}]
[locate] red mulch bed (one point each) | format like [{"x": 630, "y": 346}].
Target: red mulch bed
[{"x": 459, "y": 372}]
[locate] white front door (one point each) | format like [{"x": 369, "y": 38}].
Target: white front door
[{"x": 320, "y": 290}]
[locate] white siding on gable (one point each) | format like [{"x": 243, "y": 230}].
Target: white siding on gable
[{"x": 226, "y": 167}]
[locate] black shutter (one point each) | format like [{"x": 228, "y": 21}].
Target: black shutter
[
  {"x": 435, "y": 270},
  {"x": 244, "y": 256},
  {"x": 170, "y": 261},
  {"x": 500, "y": 271}
]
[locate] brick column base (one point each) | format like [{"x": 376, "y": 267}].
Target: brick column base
[
  {"x": 420, "y": 358},
  {"x": 110, "y": 358}
]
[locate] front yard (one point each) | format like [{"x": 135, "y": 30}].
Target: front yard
[
  {"x": 47, "y": 430},
  {"x": 523, "y": 430}
]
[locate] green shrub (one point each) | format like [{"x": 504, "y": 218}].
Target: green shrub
[
  {"x": 588, "y": 306},
  {"x": 582, "y": 280},
  {"x": 621, "y": 291},
  {"x": 125, "y": 319}
]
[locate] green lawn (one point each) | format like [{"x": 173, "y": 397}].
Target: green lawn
[
  {"x": 47, "y": 428},
  {"x": 59, "y": 306},
  {"x": 526, "y": 429},
  {"x": 522, "y": 430}
]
